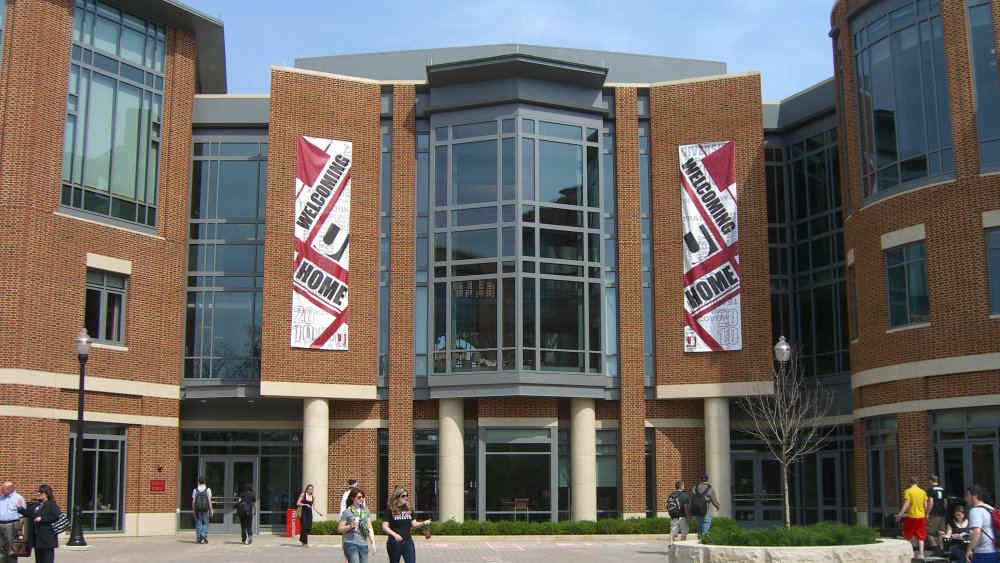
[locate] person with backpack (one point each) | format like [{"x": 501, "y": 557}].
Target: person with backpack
[
  {"x": 246, "y": 506},
  {"x": 983, "y": 525},
  {"x": 201, "y": 507},
  {"x": 679, "y": 510},
  {"x": 702, "y": 495}
]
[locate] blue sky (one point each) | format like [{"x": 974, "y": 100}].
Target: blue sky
[{"x": 786, "y": 40}]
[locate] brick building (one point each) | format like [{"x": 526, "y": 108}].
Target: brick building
[{"x": 517, "y": 270}]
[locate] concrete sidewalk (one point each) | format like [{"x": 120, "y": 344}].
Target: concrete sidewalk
[{"x": 439, "y": 549}]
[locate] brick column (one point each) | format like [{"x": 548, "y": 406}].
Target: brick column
[
  {"x": 632, "y": 412},
  {"x": 401, "y": 285}
]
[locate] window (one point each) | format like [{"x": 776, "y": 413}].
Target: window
[
  {"x": 3, "y": 21},
  {"x": 993, "y": 261},
  {"x": 902, "y": 97},
  {"x": 985, "y": 83},
  {"x": 104, "y": 311},
  {"x": 385, "y": 231},
  {"x": 225, "y": 270},
  {"x": 906, "y": 273},
  {"x": 102, "y": 475},
  {"x": 114, "y": 109}
]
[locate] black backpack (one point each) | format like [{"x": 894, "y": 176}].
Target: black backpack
[
  {"x": 699, "y": 502},
  {"x": 242, "y": 507},
  {"x": 674, "y": 505},
  {"x": 201, "y": 501}
]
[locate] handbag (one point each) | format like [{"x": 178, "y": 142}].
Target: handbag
[
  {"x": 61, "y": 523},
  {"x": 298, "y": 512},
  {"x": 17, "y": 546}
]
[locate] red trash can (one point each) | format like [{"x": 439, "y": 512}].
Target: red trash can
[{"x": 292, "y": 524}]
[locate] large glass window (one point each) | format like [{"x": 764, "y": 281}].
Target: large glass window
[
  {"x": 102, "y": 475},
  {"x": 906, "y": 274},
  {"x": 965, "y": 448},
  {"x": 385, "y": 231},
  {"x": 225, "y": 271},
  {"x": 104, "y": 309},
  {"x": 902, "y": 97},
  {"x": 645, "y": 213},
  {"x": 509, "y": 454},
  {"x": 608, "y": 505},
  {"x": 985, "y": 82},
  {"x": 516, "y": 246},
  {"x": 993, "y": 263},
  {"x": 883, "y": 472},
  {"x": 114, "y": 111}
]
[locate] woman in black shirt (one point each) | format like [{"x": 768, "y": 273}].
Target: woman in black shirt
[{"x": 398, "y": 524}]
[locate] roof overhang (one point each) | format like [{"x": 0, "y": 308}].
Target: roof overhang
[{"x": 517, "y": 65}]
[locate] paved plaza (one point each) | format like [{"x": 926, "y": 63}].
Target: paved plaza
[{"x": 443, "y": 549}]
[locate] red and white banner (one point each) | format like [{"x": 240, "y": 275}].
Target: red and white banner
[
  {"x": 322, "y": 222},
  {"x": 712, "y": 317}
]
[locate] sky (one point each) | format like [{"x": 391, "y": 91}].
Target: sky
[{"x": 785, "y": 40}]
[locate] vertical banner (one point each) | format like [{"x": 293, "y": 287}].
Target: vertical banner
[
  {"x": 712, "y": 318},
  {"x": 322, "y": 222}
]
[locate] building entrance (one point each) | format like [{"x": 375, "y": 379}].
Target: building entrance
[
  {"x": 227, "y": 476},
  {"x": 757, "y": 495}
]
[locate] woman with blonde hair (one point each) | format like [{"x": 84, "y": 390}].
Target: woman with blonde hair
[
  {"x": 305, "y": 505},
  {"x": 398, "y": 523}
]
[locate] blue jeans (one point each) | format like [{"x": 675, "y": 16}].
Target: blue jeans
[
  {"x": 985, "y": 557},
  {"x": 356, "y": 553},
  {"x": 201, "y": 525},
  {"x": 704, "y": 523},
  {"x": 402, "y": 549}
]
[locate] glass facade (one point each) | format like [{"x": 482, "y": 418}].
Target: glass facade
[
  {"x": 385, "y": 228},
  {"x": 114, "y": 112},
  {"x": 965, "y": 448},
  {"x": 902, "y": 94},
  {"x": 225, "y": 270},
  {"x": 516, "y": 237},
  {"x": 882, "y": 447},
  {"x": 985, "y": 82},
  {"x": 906, "y": 275},
  {"x": 993, "y": 268}
]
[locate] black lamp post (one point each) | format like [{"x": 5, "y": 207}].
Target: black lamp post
[{"x": 76, "y": 534}]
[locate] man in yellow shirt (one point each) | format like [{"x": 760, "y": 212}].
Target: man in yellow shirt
[{"x": 915, "y": 503}]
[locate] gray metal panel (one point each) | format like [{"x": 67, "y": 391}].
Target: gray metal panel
[
  {"x": 208, "y": 34},
  {"x": 412, "y": 65},
  {"x": 231, "y": 111},
  {"x": 512, "y": 90},
  {"x": 813, "y": 102}
]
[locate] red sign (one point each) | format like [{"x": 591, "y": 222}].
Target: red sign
[{"x": 157, "y": 485}]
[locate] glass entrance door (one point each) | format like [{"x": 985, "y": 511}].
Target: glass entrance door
[
  {"x": 757, "y": 494},
  {"x": 227, "y": 477},
  {"x": 830, "y": 501}
]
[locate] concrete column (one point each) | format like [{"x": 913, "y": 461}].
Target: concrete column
[
  {"x": 451, "y": 459},
  {"x": 316, "y": 451},
  {"x": 717, "y": 461},
  {"x": 583, "y": 459}
]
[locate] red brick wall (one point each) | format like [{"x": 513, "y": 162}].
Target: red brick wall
[
  {"x": 698, "y": 112},
  {"x": 401, "y": 286},
  {"x": 632, "y": 406},
  {"x": 304, "y": 103},
  {"x": 680, "y": 454},
  {"x": 43, "y": 307}
]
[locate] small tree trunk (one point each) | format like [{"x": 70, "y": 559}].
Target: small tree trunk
[{"x": 784, "y": 486}]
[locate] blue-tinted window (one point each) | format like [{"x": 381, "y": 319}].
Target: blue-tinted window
[
  {"x": 993, "y": 261},
  {"x": 985, "y": 82},
  {"x": 906, "y": 276},
  {"x": 114, "y": 111},
  {"x": 902, "y": 99}
]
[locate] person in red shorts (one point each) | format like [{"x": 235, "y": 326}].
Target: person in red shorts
[{"x": 915, "y": 507}]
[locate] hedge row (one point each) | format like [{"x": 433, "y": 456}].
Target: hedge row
[
  {"x": 604, "y": 526},
  {"x": 725, "y": 531}
]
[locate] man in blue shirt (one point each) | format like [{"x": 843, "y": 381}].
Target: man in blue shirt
[
  {"x": 10, "y": 501},
  {"x": 981, "y": 532}
]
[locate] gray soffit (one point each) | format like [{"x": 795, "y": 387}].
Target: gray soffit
[
  {"x": 515, "y": 66},
  {"x": 622, "y": 68},
  {"x": 813, "y": 102},
  {"x": 208, "y": 34}
]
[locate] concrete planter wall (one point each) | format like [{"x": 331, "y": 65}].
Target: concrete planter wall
[{"x": 886, "y": 551}]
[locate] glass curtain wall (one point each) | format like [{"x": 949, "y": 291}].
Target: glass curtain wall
[
  {"x": 902, "y": 98},
  {"x": 114, "y": 113},
  {"x": 966, "y": 449},
  {"x": 985, "y": 83},
  {"x": 516, "y": 237},
  {"x": 882, "y": 447},
  {"x": 225, "y": 270}
]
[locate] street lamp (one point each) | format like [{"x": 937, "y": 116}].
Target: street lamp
[
  {"x": 76, "y": 534},
  {"x": 782, "y": 351}
]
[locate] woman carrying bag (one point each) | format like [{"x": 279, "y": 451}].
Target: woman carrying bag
[
  {"x": 41, "y": 516},
  {"x": 305, "y": 509}
]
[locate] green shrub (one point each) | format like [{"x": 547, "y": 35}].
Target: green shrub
[{"x": 725, "y": 531}]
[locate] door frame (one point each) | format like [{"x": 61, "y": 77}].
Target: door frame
[
  {"x": 755, "y": 501},
  {"x": 224, "y": 496}
]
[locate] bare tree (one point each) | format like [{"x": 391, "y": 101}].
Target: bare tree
[{"x": 789, "y": 419}]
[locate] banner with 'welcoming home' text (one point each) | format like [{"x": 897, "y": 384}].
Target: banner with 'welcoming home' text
[
  {"x": 322, "y": 222},
  {"x": 712, "y": 317}
]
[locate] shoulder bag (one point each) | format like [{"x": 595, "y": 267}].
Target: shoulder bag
[{"x": 17, "y": 546}]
